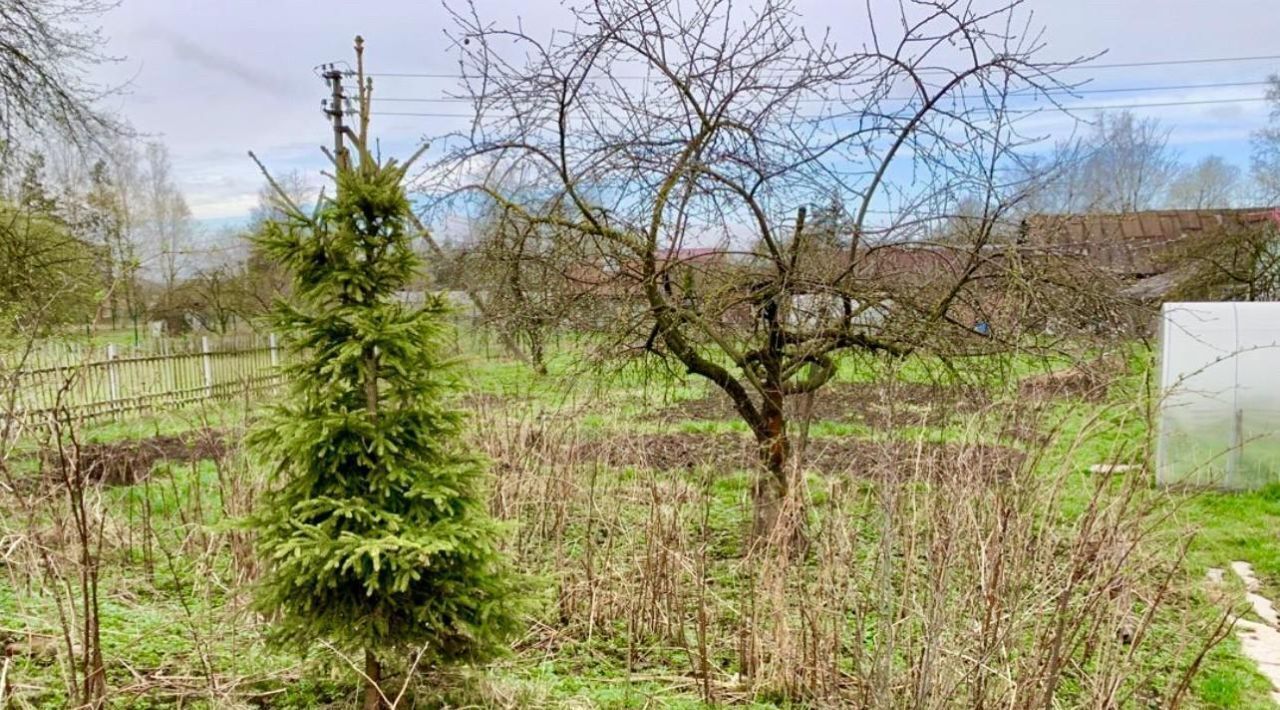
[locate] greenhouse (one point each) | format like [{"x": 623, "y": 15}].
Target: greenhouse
[{"x": 1219, "y": 417}]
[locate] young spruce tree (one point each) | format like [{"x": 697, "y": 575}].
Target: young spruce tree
[{"x": 376, "y": 536}]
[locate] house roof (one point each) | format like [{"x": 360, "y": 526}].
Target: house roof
[{"x": 1134, "y": 242}]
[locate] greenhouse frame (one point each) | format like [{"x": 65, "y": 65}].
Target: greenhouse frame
[{"x": 1219, "y": 411}]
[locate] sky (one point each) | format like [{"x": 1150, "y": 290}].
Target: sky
[{"x": 216, "y": 79}]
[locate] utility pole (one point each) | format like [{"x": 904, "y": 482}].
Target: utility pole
[{"x": 333, "y": 109}]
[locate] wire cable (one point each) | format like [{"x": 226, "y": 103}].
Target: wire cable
[
  {"x": 1050, "y": 92},
  {"x": 1083, "y": 65},
  {"x": 1067, "y": 108}
]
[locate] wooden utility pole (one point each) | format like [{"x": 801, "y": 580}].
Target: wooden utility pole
[{"x": 334, "y": 110}]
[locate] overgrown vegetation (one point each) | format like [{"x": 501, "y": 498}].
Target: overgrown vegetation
[
  {"x": 877, "y": 447},
  {"x": 955, "y": 554}
]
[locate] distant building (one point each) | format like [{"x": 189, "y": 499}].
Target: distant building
[{"x": 1138, "y": 247}]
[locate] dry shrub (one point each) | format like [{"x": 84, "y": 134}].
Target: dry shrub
[
  {"x": 969, "y": 592},
  {"x": 64, "y": 533},
  {"x": 931, "y": 584}
]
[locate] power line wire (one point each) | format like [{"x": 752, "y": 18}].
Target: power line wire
[
  {"x": 1083, "y": 65},
  {"x": 1050, "y": 92},
  {"x": 1159, "y": 104},
  {"x": 1165, "y": 87},
  {"x": 1174, "y": 62},
  {"x": 1065, "y": 108}
]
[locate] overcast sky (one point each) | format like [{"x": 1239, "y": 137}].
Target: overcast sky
[{"x": 214, "y": 79}]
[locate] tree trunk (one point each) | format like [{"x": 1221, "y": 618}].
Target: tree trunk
[
  {"x": 95, "y": 673},
  {"x": 537, "y": 354},
  {"x": 95, "y": 676},
  {"x": 373, "y": 678},
  {"x": 767, "y": 495},
  {"x": 372, "y": 666},
  {"x": 771, "y": 482}
]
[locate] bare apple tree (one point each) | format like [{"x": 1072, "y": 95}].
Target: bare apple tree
[
  {"x": 678, "y": 145},
  {"x": 518, "y": 268}
]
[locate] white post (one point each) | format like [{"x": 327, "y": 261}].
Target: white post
[
  {"x": 273, "y": 379},
  {"x": 113, "y": 378},
  {"x": 208, "y": 366},
  {"x": 1234, "y": 476},
  {"x": 170, "y": 368}
]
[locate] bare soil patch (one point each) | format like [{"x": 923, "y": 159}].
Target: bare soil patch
[
  {"x": 120, "y": 463},
  {"x": 877, "y": 405},
  {"x": 1089, "y": 382},
  {"x": 858, "y": 457}
]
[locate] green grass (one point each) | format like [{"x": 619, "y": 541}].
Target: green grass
[
  {"x": 1231, "y": 681},
  {"x": 148, "y": 613}
]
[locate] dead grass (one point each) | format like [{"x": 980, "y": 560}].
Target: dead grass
[
  {"x": 932, "y": 574},
  {"x": 1088, "y": 381},
  {"x": 924, "y": 571},
  {"x": 877, "y": 405},
  {"x": 863, "y": 458}
]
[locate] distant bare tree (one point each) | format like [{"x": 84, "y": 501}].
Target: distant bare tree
[
  {"x": 1265, "y": 160},
  {"x": 216, "y": 296},
  {"x": 522, "y": 270},
  {"x": 1129, "y": 165},
  {"x": 115, "y": 204},
  {"x": 168, "y": 216},
  {"x": 295, "y": 185},
  {"x": 1123, "y": 164},
  {"x": 1210, "y": 183},
  {"x": 679, "y": 145},
  {"x": 46, "y": 48}
]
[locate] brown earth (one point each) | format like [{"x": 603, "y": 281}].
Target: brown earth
[
  {"x": 119, "y": 463},
  {"x": 1088, "y": 382},
  {"x": 859, "y": 457},
  {"x": 877, "y": 405}
]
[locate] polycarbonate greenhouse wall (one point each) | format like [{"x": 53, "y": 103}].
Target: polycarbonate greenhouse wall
[{"x": 1219, "y": 417}]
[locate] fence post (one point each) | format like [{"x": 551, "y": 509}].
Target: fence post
[
  {"x": 273, "y": 380},
  {"x": 113, "y": 380},
  {"x": 208, "y": 366}
]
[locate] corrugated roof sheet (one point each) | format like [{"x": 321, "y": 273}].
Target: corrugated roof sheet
[{"x": 1133, "y": 243}]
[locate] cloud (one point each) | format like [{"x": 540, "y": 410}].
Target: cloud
[
  {"x": 220, "y": 63},
  {"x": 260, "y": 57}
]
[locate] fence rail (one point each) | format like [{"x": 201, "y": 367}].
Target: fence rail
[
  {"x": 96, "y": 381},
  {"x": 109, "y": 384}
]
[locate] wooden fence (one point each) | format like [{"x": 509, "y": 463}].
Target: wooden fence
[{"x": 113, "y": 384}]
